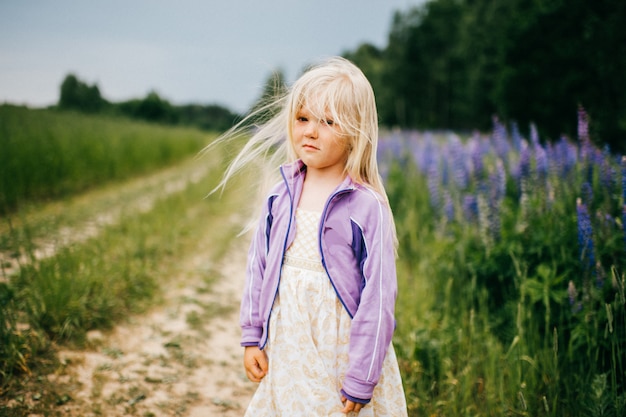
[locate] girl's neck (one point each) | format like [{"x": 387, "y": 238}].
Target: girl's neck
[{"x": 317, "y": 188}]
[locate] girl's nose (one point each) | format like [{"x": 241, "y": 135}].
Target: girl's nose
[{"x": 311, "y": 129}]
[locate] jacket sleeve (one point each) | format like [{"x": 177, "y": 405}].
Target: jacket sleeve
[
  {"x": 373, "y": 323},
  {"x": 250, "y": 319}
]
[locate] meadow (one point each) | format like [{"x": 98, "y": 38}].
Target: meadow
[
  {"x": 511, "y": 261},
  {"x": 48, "y": 154},
  {"x": 511, "y": 273}
]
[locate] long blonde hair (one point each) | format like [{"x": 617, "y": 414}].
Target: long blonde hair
[{"x": 335, "y": 86}]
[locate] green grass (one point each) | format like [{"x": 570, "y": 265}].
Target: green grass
[{"x": 47, "y": 154}]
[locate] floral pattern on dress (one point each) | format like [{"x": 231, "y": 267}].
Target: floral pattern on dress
[{"x": 309, "y": 335}]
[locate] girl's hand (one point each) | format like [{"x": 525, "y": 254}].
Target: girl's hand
[
  {"x": 255, "y": 362},
  {"x": 350, "y": 406}
]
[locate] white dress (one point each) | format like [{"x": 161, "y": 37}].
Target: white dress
[{"x": 309, "y": 334}]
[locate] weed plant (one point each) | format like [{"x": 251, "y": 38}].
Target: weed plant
[
  {"x": 512, "y": 271},
  {"x": 46, "y": 154}
]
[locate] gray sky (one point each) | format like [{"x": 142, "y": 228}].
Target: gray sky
[{"x": 188, "y": 51}]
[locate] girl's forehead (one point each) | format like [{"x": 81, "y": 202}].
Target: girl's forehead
[
  {"x": 317, "y": 105},
  {"x": 315, "y": 108}
]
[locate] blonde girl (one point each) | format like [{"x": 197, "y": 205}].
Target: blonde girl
[{"x": 317, "y": 312}]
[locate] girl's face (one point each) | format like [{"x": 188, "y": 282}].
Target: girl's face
[{"x": 319, "y": 143}]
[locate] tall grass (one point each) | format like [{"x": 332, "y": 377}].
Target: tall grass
[
  {"x": 97, "y": 282},
  {"x": 92, "y": 279},
  {"x": 512, "y": 273},
  {"x": 46, "y": 154}
]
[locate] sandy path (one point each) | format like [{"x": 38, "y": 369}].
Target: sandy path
[{"x": 181, "y": 359}]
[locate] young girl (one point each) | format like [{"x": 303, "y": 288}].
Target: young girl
[{"x": 317, "y": 313}]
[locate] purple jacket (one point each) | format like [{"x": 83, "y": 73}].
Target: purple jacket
[{"x": 357, "y": 249}]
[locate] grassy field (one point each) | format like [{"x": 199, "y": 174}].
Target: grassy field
[
  {"x": 46, "y": 155},
  {"x": 96, "y": 255},
  {"x": 511, "y": 261}
]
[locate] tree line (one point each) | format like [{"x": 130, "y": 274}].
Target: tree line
[
  {"x": 455, "y": 64},
  {"x": 78, "y": 95}
]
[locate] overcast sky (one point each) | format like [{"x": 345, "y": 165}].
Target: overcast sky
[{"x": 188, "y": 51}]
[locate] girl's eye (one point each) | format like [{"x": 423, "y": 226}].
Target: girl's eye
[
  {"x": 329, "y": 122},
  {"x": 302, "y": 119}
]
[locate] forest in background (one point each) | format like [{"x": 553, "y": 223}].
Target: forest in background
[{"x": 456, "y": 64}]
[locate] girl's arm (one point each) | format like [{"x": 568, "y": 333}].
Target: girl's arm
[
  {"x": 374, "y": 322},
  {"x": 249, "y": 318}
]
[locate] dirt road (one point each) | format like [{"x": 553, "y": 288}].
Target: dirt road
[{"x": 181, "y": 359}]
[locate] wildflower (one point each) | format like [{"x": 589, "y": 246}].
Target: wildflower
[
  {"x": 433, "y": 186},
  {"x": 448, "y": 207},
  {"x": 516, "y": 136},
  {"x": 607, "y": 173},
  {"x": 524, "y": 163},
  {"x": 497, "y": 186},
  {"x": 585, "y": 236},
  {"x": 583, "y": 134},
  {"x": 500, "y": 143},
  {"x": 587, "y": 194},
  {"x": 541, "y": 161},
  {"x": 476, "y": 156},
  {"x": 458, "y": 161},
  {"x": 470, "y": 208},
  {"x": 572, "y": 294}
]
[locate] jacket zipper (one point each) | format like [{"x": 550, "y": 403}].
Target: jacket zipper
[{"x": 319, "y": 240}]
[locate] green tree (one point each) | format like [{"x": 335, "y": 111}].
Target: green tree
[
  {"x": 456, "y": 63},
  {"x": 77, "y": 95},
  {"x": 422, "y": 66}
]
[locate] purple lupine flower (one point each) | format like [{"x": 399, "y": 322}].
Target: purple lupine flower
[
  {"x": 448, "y": 206},
  {"x": 425, "y": 152},
  {"x": 476, "y": 156},
  {"x": 433, "y": 186},
  {"x": 482, "y": 191},
  {"x": 499, "y": 138},
  {"x": 534, "y": 135},
  {"x": 524, "y": 164},
  {"x": 583, "y": 134},
  {"x": 587, "y": 193},
  {"x": 524, "y": 176},
  {"x": 497, "y": 187},
  {"x": 470, "y": 208},
  {"x": 458, "y": 162},
  {"x": 541, "y": 161},
  {"x": 586, "y": 147},
  {"x": 516, "y": 136},
  {"x": 585, "y": 236},
  {"x": 498, "y": 181},
  {"x": 569, "y": 155}
]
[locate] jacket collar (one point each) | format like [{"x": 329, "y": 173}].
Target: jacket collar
[{"x": 295, "y": 169}]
